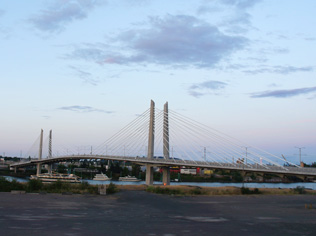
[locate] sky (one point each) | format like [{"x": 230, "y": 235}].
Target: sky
[{"x": 86, "y": 68}]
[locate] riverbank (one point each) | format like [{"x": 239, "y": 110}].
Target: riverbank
[
  {"x": 7, "y": 185},
  {"x": 211, "y": 191}
]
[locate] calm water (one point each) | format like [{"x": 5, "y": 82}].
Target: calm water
[{"x": 214, "y": 184}]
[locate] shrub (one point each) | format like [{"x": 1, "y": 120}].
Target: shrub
[
  {"x": 160, "y": 190},
  {"x": 196, "y": 191},
  {"x": 248, "y": 191},
  {"x": 7, "y": 186},
  {"x": 299, "y": 190},
  {"x": 57, "y": 187},
  {"x": 34, "y": 185},
  {"x": 111, "y": 188}
]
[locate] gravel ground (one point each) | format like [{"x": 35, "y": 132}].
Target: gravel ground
[{"x": 142, "y": 213}]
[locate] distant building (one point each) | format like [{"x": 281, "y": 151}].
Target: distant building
[{"x": 188, "y": 171}]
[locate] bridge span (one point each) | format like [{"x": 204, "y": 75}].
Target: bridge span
[
  {"x": 199, "y": 146},
  {"x": 161, "y": 162}
]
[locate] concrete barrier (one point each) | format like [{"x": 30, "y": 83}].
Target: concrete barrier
[{"x": 102, "y": 189}]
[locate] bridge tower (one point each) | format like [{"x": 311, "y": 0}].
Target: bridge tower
[
  {"x": 40, "y": 153},
  {"x": 166, "y": 150},
  {"x": 50, "y": 150},
  {"x": 151, "y": 139}
]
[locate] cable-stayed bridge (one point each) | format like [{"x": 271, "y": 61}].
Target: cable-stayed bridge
[{"x": 164, "y": 138}]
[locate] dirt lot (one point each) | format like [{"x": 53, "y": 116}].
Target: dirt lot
[{"x": 140, "y": 213}]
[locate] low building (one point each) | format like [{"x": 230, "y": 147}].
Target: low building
[{"x": 188, "y": 171}]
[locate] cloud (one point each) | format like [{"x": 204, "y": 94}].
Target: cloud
[
  {"x": 241, "y": 4},
  {"x": 207, "y": 87},
  {"x": 280, "y": 69},
  {"x": 310, "y": 39},
  {"x": 62, "y": 12},
  {"x": 175, "y": 41},
  {"x": 83, "y": 109},
  {"x": 284, "y": 93},
  {"x": 233, "y": 14},
  {"x": 86, "y": 77},
  {"x": 211, "y": 6}
]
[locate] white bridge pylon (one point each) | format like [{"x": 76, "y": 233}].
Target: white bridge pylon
[{"x": 165, "y": 138}]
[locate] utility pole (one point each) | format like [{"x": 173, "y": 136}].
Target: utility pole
[
  {"x": 246, "y": 153},
  {"x": 204, "y": 152},
  {"x": 300, "y": 151}
]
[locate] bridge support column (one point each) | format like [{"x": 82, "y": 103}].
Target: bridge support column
[
  {"x": 15, "y": 169},
  {"x": 49, "y": 169},
  {"x": 166, "y": 175},
  {"x": 38, "y": 169},
  {"x": 149, "y": 175}
]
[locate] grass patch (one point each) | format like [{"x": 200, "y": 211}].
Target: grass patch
[
  {"x": 159, "y": 190},
  {"x": 36, "y": 186}
]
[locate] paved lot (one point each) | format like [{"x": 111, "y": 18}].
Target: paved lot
[{"x": 141, "y": 213}]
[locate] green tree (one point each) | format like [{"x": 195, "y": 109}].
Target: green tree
[
  {"x": 61, "y": 168},
  {"x": 135, "y": 169},
  {"x": 125, "y": 171}
]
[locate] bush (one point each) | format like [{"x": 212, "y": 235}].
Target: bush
[
  {"x": 34, "y": 185},
  {"x": 299, "y": 190},
  {"x": 57, "y": 187},
  {"x": 248, "y": 191},
  {"x": 111, "y": 188},
  {"x": 7, "y": 186},
  {"x": 196, "y": 191}
]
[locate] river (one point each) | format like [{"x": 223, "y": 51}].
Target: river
[{"x": 307, "y": 185}]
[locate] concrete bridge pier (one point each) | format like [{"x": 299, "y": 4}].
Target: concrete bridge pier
[
  {"x": 49, "y": 168},
  {"x": 149, "y": 174},
  {"x": 38, "y": 169},
  {"x": 166, "y": 175}
]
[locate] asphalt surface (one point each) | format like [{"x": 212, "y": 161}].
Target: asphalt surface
[{"x": 141, "y": 213}]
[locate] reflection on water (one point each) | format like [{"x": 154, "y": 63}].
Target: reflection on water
[{"x": 213, "y": 184}]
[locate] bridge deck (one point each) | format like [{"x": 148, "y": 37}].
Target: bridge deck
[{"x": 273, "y": 169}]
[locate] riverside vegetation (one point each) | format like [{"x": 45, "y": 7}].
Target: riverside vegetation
[{"x": 36, "y": 186}]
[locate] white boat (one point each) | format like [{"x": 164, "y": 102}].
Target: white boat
[
  {"x": 129, "y": 178},
  {"x": 51, "y": 178},
  {"x": 101, "y": 177}
]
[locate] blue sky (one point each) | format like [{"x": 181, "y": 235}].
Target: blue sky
[{"x": 86, "y": 68}]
